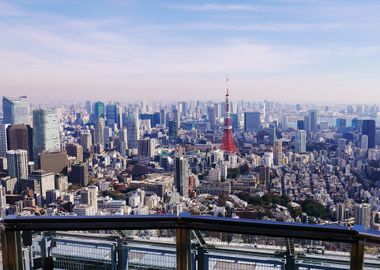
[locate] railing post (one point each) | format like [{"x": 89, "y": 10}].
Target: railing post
[
  {"x": 357, "y": 256},
  {"x": 183, "y": 246},
  {"x": 11, "y": 250},
  {"x": 202, "y": 258},
  {"x": 122, "y": 255}
]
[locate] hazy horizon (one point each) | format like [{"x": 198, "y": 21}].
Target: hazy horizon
[{"x": 281, "y": 50}]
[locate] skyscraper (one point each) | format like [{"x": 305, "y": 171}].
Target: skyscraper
[
  {"x": 86, "y": 141},
  {"x": 16, "y": 110},
  {"x": 20, "y": 137},
  {"x": 341, "y": 124},
  {"x": 75, "y": 150},
  {"x": 99, "y": 109},
  {"x": 3, "y": 139},
  {"x": 277, "y": 152},
  {"x": 46, "y": 135},
  {"x": 252, "y": 121},
  {"x": 181, "y": 175},
  {"x": 18, "y": 163},
  {"x": 88, "y": 107},
  {"x": 132, "y": 130},
  {"x": 362, "y": 214},
  {"x": 173, "y": 131},
  {"x": 272, "y": 133},
  {"x": 146, "y": 148},
  {"x": 114, "y": 115},
  {"x": 300, "y": 141},
  {"x": 79, "y": 174},
  {"x": 369, "y": 129},
  {"x": 99, "y": 131},
  {"x": 211, "y": 112},
  {"x": 313, "y": 119}
]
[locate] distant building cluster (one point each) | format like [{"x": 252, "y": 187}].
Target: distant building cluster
[{"x": 263, "y": 160}]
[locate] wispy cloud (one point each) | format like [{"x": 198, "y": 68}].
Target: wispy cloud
[
  {"x": 216, "y": 7},
  {"x": 7, "y": 9}
]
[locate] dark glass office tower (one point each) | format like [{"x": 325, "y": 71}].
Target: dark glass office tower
[{"x": 369, "y": 129}]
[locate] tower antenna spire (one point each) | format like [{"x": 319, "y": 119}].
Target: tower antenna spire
[
  {"x": 228, "y": 90},
  {"x": 228, "y": 144}
]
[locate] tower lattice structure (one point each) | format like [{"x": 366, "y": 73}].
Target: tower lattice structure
[{"x": 228, "y": 143}]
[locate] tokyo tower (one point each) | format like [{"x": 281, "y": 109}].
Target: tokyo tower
[{"x": 228, "y": 144}]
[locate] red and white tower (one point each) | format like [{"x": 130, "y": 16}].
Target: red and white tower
[{"x": 228, "y": 144}]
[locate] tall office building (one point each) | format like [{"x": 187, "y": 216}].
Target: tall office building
[
  {"x": 16, "y": 110},
  {"x": 181, "y": 175},
  {"x": 3, "y": 139},
  {"x": 75, "y": 150},
  {"x": 211, "y": 112},
  {"x": 54, "y": 162},
  {"x": 89, "y": 196},
  {"x": 300, "y": 141},
  {"x": 99, "y": 131},
  {"x": 123, "y": 141},
  {"x": 79, "y": 174},
  {"x": 362, "y": 214},
  {"x": 163, "y": 119},
  {"x": 313, "y": 120},
  {"x": 146, "y": 149},
  {"x": 132, "y": 130},
  {"x": 114, "y": 115},
  {"x": 272, "y": 133},
  {"x": 88, "y": 107},
  {"x": 173, "y": 131},
  {"x": 99, "y": 110},
  {"x": 85, "y": 140},
  {"x": 341, "y": 124},
  {"x": 341, "y": 212},
  {"x": 341, "y": 149},
  {"x": 235, "y": 121},
  {"x": 18, "y": 163},
  {"x": 252, "y": 121},
  {"x": 46, "y": 135},
  {"x": 20, "y": 137},
  {"x": 277, "y": 152},
  {"x": 301, "y": 124},
  {"x": 176, "y": 117},
  {"x": 369, "y": 129}
]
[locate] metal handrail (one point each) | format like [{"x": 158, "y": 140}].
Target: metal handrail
[{"x": 184, "y": 223}]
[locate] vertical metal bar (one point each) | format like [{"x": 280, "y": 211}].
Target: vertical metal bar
[
  {"x": 202, "y": 258},
  {"x": 183, "y": 246},
  {"x": 122, "y": 255},
  {"x": 11, "y": 250},
  {"x": 357, "y": 256}
]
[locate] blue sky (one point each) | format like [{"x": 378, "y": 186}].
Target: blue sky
[{"x": 285, "y": 50}]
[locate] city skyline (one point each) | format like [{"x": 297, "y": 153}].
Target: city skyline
[{"x": 284, "y": 50}]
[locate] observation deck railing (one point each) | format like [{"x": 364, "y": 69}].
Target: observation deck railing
[{"x": 186, "y": 228}]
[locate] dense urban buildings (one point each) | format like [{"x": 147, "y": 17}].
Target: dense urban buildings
[{"x": 266, "y": 160}]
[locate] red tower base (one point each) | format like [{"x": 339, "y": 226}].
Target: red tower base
[{"x": 228, "y": 144}]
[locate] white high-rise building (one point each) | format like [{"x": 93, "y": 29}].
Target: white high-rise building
[
  {"x": 16, "y": 110},
  {"x": 362, "y": 214},
  {"x": 86, "y": 141},
  {"x": 90, "y": 196},
  {"x": 46, "y": 136},
  {"x": 99, "y": 131},
  {"x": 3, "y": 139},
  {"x": 18, "y": 163},
  {"x": 300, "y": 141}
]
